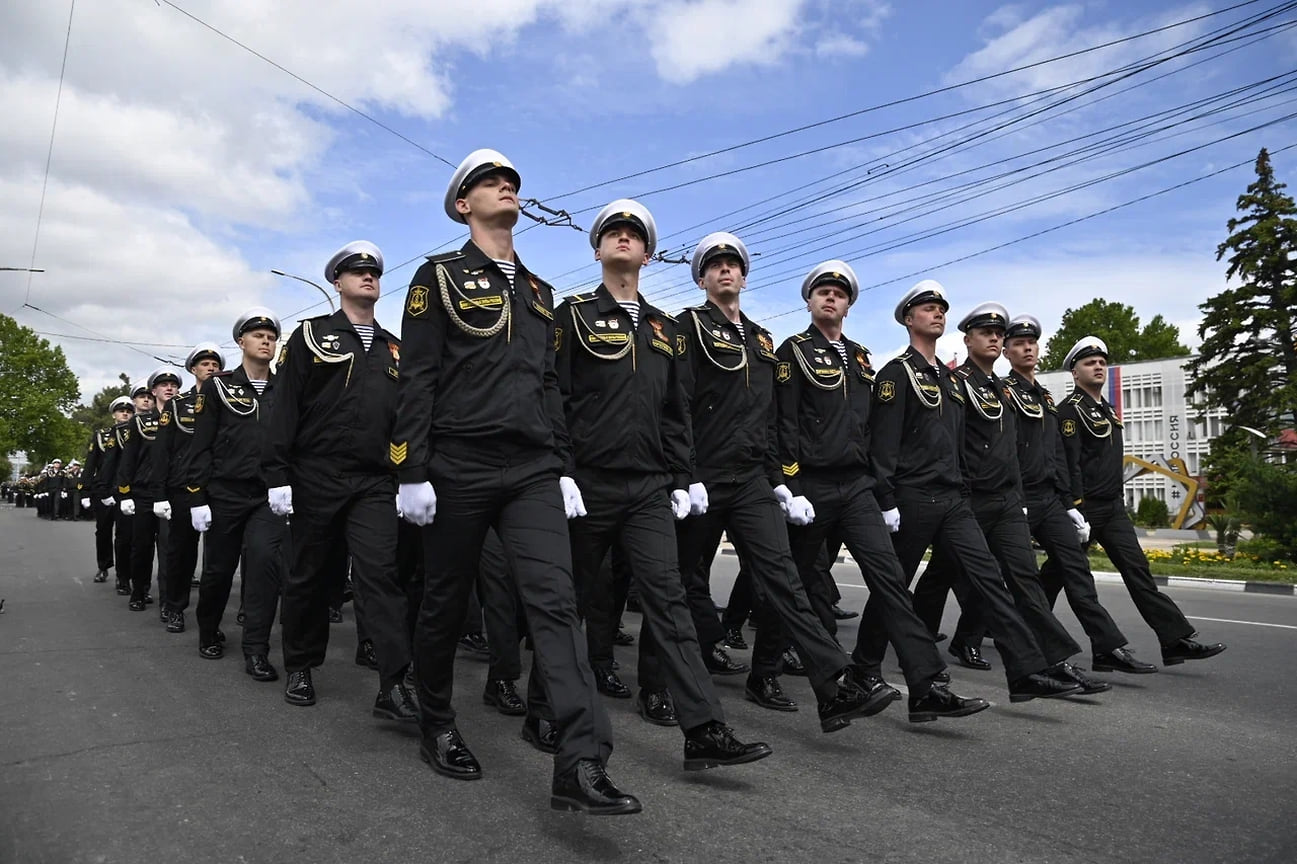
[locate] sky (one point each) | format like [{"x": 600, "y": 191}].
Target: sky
[{"x": 183, "y": 166}]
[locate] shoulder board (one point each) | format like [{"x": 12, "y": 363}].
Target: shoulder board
[
  {"x": 666, "y": 315},
  {"x": 1074, "y": 397},
  {"x": 801, "y": 337},
  {"x": 854, "y": 345},
  {"x": 224, "y": 373},
  {"x": 702, "y": 308},
  {"x": 443, "y": 257},
  {"x": 579, "y": 298},
  {"x": 963, "y": 373}
]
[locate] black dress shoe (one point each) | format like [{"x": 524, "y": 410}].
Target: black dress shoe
[
  {"x": 621, "y": 637},
  {"x": 241, "y": 618},
  {"x": 942, "y": 677},
  {"x": 123, "y": 588},
  {"x": 792, "y": 662},
  {"x": 1188, "y": 649},
  {"x": 1041, "y": 685},
  {"x": 164, "y": 615},
  {"x": 474, "y": 643},
  {"x": 220, "y": 636},
  {"x": 365, "y": 655},
  {"x": 540, "y": 733},
  {"x": 720, "y": 663},
  {"x": 655, "y": 707},
  {"x": 148, "y": 599},
  {"x": 136, "y": 606},
  {"x": 851, "y": 701},
  {"x": 1121, "y": 660},
  {"x": 448, "y": 755},
  {"x": 1089, "y": 686},
  {"x": 766, "y": 692},
  {"x": 176, "y": 624},
  {"x": 843, "y": 614},
  {"x": 299, "y": 690},
  {"x": 632, "y": 604},
  {"x": 101, "y": 576},
  {"x": 872, "y": 684},
  {"x": 714, "y": 745},
  {"x": 258, "y": 666},
  {"x": 968, "y": 656},
  {"x": 609, "y": 684},
  {"x": 587, "y": 789},
  {"x": 940, "y": 702},
  {"x": 335, "y": 615},
  {"x": 211, "y": 651},
  {"x": 734, "y": 639},
  {"x": 940, "y": 637},
  {"x": 502, "y": 695},
  {"x": 396, "y": 703}
]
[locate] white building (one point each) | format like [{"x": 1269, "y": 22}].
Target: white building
[{"x": 1161, "y": 426}]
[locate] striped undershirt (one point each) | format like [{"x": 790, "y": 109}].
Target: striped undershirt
[{"x": 366, "y": 334}]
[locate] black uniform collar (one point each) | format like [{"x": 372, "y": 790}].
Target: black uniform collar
[
  {"x": 339, "y": 321},
  {"x": 718, "y": 317},
  {"x": 476, "y": 259},
  {"x": 977, "y": 375},
  {"x": 919, "y": 363},
  {"x": 605, "y": 302}
]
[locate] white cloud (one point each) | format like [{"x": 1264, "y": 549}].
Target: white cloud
[
  {"x": 691, "y": 38},
  {"x": 841, "y": 45}
]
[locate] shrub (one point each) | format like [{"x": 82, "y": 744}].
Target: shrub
[{"x": 1152, "y": 513}]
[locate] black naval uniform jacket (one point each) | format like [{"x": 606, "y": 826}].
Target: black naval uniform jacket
[
  {"x": 620, "y": 383},
  {"x": 229, "y": 434},
  {"x": 136, "y": 477},
  {"x": 335, "y": 403},
  {"x": 918, "y": 430},
  {"x": 96, "y": 483},
  {"x": 729, "y": 385},
  {"x": 823, "y": 409},
  {"x": 990, "y": 434},
  {"x": 177, "y": 422},
  {"x": 476, "y": 353},
  {"x": 1091, "y": 433},
  {"x": 1040, "y": 447}
]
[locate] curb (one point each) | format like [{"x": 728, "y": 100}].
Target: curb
[{"x": 1277, "y": 588}]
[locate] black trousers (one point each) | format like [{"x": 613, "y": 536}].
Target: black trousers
[
  {"x": 242, "y": 525},
  {"x": 181, "y": 555},
  {"x": 1111, "y": 528},
  {"x": 635, "y": 510},
  {"x": 845, "y": 507},
  {"x": 948, "y": 524},
  {"x": 123, "y": 531},
  {"x": 521, "y": 501},
  {"x": 740, "y": 604},
  {"x": 1056, "y": 534},
  {"x": 361, "y": 508},
  {"x": 105, "y": 516},
  {"x": 148, "y": 535},
  {"x": 501, "y": 612},
  {"x": 748, "y": 512},
  {"x": 1008, "y": 536}
]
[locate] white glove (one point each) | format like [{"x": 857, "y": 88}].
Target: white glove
[
  {"x": 1083, "y": 533},
  {"x": 162, "y": 510},
  {"x": 573, "y": 506},
  {"x": 417, "y": 502},
  {"x": 785, "y": 496},
  {"x": 200, "y": 518},
  {"x": 800, "y": 511},
  {"x": 85, "y": 503},
  {"x": 399, "y": 511},
  {"x": 679, "y": 503},
  {"x": 128, "y": 506},
  {"x": 1077, "y": 519},
  {"x": 697, "y": 499},
  {"x": 63, "y": 494},
  {"x": 1024, "y": 511},
  {"x": 892, "y": 519},
  {"x": 108, "y": 502},
  {"x": 281, "y": 500}
]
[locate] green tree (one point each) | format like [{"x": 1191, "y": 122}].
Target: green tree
[
  {"x": 1268, "y": 495},
  {"x": 1118, "y": 326},
  {"x": 37, "y": 392},
  {"x": 1248, "y": 360},
  {"x": 96, "y": 415}
]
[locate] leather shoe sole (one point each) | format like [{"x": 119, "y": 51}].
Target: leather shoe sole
[
  {"x": 571, "y": 805},
  {"x": 1173, "y": 660},
  {"x": 702, "y": 763},
  {"x": 971, "y": 706},
  {"x": 269, "y": 674},
  {"x": 299, "y": 701},
  {"x": 1099, "y": 665},
  {"x": 212, "y": 652},
  {"x": 877, "y": 702},
  {"x": 446, "y": 771}
]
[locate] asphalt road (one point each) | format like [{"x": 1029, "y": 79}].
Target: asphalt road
[{"x": 119, "y": 744}]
